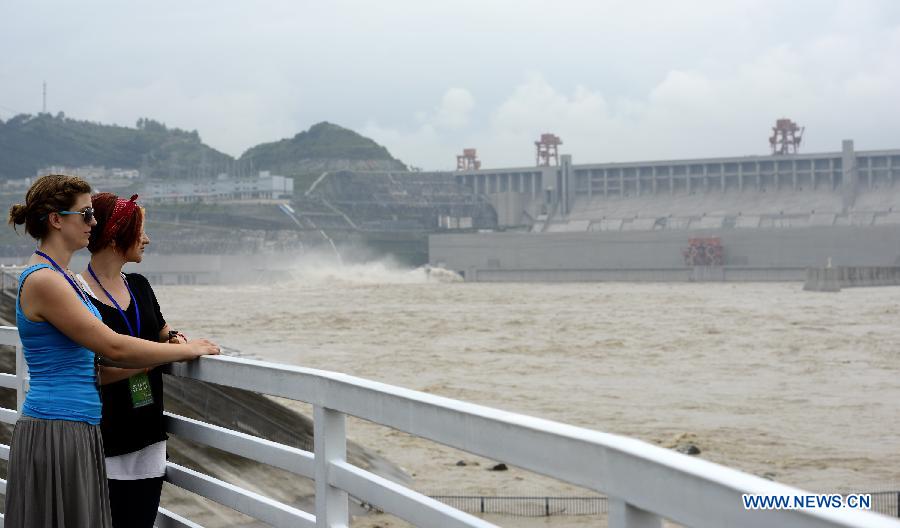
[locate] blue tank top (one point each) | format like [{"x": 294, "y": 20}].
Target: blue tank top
[{"x": 62, "y": 372}]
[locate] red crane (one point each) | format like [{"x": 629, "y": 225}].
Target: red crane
[
  {"x": 547, "y": 149},
  {"x": 786, "y": 137},
  {"x": 468, "y": 160}
]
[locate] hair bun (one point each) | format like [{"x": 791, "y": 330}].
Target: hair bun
[{"x": 17, "y": 214}]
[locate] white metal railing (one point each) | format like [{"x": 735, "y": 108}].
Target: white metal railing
[
  {"x": 644, "y": 483},
  {"x": 9, "y": 279}
]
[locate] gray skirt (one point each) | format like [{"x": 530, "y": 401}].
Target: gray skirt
[{"x": 57, "y": 476}]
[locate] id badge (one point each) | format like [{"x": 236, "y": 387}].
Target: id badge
[{"x": 141, "y": 395}]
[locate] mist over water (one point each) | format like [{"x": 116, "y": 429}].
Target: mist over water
[
  {"x": 800, "y": 387},
  {"x": 319, "y": 269}
]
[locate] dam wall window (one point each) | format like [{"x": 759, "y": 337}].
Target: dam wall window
[
  {"x": 894, "y": 169},
  {"x": 629, "y": 187},
  {"x": 582, "y": 182}
]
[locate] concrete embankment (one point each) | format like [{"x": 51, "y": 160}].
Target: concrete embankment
[
  {"x": 749, "y": 254},
  {"x": 834, "y": 278},
  {"x": 682, "y": 274}
]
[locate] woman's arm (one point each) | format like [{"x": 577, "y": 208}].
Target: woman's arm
[
  {"x": 164, "y": 336},
  {"x": 47, "y": 296}
]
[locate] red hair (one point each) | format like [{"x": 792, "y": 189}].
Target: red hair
[{"x": 126, "y": 233}]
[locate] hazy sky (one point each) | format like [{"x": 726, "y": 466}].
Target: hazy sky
[{"x": 617, "y": 80}]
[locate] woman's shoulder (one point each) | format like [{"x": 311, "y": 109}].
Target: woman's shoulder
[
  {"x": 136, "y": 277},
  {"x": 138, "y": 280},
  {"x": 44, "y": 282},
  {"x": 33, "y": 268},
  {"x": 40, "y": 274}
]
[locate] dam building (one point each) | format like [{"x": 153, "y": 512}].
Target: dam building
[{"x": 762, "y": 218}]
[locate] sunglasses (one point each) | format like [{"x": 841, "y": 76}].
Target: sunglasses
[{"x": 88, "y": 213}]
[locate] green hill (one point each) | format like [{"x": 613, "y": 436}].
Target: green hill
[
  {"x": 319, "y": 146},
  {"x": 29, "y": 143}
]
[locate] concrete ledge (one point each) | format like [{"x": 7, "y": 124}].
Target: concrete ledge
[
  {"x": 833, "y": 279},
  {"x": 681, "y": 274}
]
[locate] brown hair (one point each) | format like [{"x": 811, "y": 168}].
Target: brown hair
[
  {"x": 48, "y": 194},
  {"x": 126, "y": 233}
]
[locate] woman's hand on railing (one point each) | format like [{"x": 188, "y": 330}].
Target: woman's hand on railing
[{"x": 203, "y": 347}]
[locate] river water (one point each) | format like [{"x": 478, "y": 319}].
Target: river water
[{"x": 800, "y": 387}]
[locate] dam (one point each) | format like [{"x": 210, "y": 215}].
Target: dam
[{"x": 766, "y": 217}]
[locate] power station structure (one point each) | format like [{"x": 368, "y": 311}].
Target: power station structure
[
  {"x": 763, "y": 217},
  {"x": 754, "y": 218}
]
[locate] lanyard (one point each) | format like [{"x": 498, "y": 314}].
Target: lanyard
[
  {"x": 137, "y": 311},
  {"x": 64, "y": 274}
]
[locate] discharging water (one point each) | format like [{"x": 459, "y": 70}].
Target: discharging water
[{"x": 802, "y": 387}]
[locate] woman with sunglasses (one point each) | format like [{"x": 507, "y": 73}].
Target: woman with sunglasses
[
  {"x": 134, "y": 433},
  {"x": 56, "y": 474}
]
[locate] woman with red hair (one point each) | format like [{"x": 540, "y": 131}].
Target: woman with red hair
[
  {"x": 56, "y": 474},
  {"x": 134, "y": 435}
]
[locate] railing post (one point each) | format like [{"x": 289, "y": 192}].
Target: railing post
[
  {"x": 330, "y": 439},
  {"x": 624, "y": 515}
]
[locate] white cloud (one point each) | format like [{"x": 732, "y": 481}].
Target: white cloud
[
  {"x": 425, "y": 144},
  {"x": 420, "y": 147},
  {"x": 455, "y": 108},
  {"x": 536, "y": 105},
  {"x": 262, "y": 115},
  {"x": 688, "y": 113},
  {"x": 616, "y": 80}
]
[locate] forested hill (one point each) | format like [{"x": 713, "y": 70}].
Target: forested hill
[
  {"x": 31, "y": 142},
  {"x": 325, "y": 146}
]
